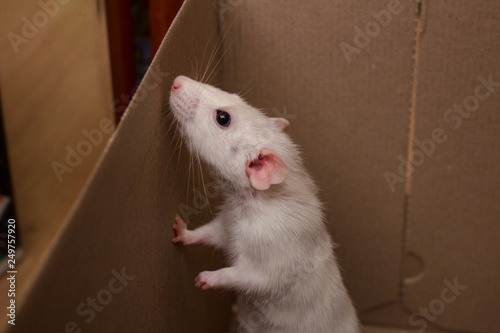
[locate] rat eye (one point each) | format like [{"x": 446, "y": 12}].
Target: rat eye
[{"x": 223, "y": 118}]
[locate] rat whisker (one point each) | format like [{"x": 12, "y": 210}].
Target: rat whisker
[
  {"x": 170, "y": 118},
  {"x": 178, "y": 144},
  {"x": 197, "y": 71},
  {"x": 215, "y": 51},
  {"x": 178, "y": 156},
  {"x": 205, "y": 51},
  {"x": 249, "y": 86},
  {"x": 189, "y": 177},
  {"x": 212, "y": 54},
  {"x": 192, "y": 65},
  {"x": 193, "y": 189},
  {"x": 220, "y": 44},
  {"x": 219, "y": 63},
  {"x": 167, "y": 119},
  {"x": 203, "y": 183}
]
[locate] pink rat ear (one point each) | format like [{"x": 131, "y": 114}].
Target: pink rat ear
[
  {"x": 266, "y": 170},
  {"x": 282, "y": 123}
]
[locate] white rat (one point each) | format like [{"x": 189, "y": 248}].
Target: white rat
[{"x": 270, "y": 225}]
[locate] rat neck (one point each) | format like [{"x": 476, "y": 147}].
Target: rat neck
[{"x": 297, "y": 187}]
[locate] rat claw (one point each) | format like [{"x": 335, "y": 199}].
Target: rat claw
[
  {"x": 179, "y": 221},
  {"x": 207, "y": 280},
  {"x": 181, "y": 232},
  {"x": 197, "y": 283}
]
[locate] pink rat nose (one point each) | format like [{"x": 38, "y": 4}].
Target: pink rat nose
[{"x": 177, "y": 84}]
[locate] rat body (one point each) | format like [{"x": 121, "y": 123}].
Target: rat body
[{"x": 270, "y": 225}]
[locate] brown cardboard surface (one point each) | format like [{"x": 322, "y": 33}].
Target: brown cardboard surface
[
  {"x": 392, "y": 314},
  {"x": 122, "y": 224},
  {"x": 454, "y": 212},
  {"x": 55, "y": 86},
  {"x": 349, "y": 118},
  {"x": 371, "y": 329}
]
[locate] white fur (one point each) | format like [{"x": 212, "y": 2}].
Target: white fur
[{"x": 281, "y": 256}]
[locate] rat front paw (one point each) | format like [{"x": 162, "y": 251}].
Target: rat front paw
[
  {"x": 208, "y": 280},
  {"x": 181, "y": 232}
]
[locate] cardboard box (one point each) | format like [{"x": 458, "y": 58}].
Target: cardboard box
[
  {"x": 411, "y": 189},
  {"x": 57, "y": 110}
]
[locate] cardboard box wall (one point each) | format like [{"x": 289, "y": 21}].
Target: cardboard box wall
[
  {"x": 353, "y": 120},
  {"x": 55, "y": 86}
]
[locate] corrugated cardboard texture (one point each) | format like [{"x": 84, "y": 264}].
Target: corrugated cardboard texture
[
  {"x": 122, "y": 224},
  {"x": 454, "y": 211},
  {"x": 351, "y": 119}
]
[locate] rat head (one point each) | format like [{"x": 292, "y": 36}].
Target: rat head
[{"x": 241, "y": 144}]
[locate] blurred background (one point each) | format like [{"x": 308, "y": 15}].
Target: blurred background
[{"x": 68, "y": 70}]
